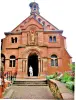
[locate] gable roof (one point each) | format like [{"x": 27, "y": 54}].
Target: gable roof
[
  {"x": 18, "y": 28},
  {"x": 20, "y": 23},
  {"x": 48, "y": 22},
  {"x": 32, "y": 21}
]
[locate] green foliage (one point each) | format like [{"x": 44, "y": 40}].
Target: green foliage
[
  {"x": 70, "y": 85},
  {"x": 66, "y": 77},
  {"x": 51, "y": 76},
  {"x": 72, "y": 66},
  {"x": 59, "y": 77}
]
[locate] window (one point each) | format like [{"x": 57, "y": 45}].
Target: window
[
  {"x": 43, "y": 23},
  {"x": 50, "y": 39},
  {"x": 54, "y": 60},
  {"x": 3, "y": 58},
  {"x": 12, "y": 61},
  {"x": 14, "y": 40},
  {"x": 39, "y": 20},
  {"x": 54, "y": 39},
  {"x": 34, "y": 7}
]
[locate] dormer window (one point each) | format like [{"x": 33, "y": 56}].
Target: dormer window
[{"x": 14, "y": 40}]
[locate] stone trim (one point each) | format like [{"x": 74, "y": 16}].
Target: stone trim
[
  {"x": 54, "y": 31},
  {"x": 13, "y": 33}
]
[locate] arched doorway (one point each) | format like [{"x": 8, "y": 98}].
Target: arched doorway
[{"x": 33, "y": 62}]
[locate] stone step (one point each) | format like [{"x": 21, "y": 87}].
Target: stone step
[{"x": 30, "y": 82}]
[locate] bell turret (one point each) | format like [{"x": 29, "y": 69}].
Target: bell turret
[{"x": 34, "y": 8}]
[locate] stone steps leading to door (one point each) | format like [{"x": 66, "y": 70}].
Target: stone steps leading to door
[{"x": 30, "y": 82}]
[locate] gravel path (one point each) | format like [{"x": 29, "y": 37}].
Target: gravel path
[{"x": 32, "y": 92}]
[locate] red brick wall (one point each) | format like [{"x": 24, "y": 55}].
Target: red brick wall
[
  {"x": 0, "y": 91},
  {"x": 44, "y": 47}
]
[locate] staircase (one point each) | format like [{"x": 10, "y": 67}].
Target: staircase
[{"x": 30, "y": 82}]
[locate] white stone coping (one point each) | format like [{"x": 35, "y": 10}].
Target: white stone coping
[{"x": 65, "y": 92}]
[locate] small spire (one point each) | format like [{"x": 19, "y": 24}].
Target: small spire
[{"x": 34, "y": 7}]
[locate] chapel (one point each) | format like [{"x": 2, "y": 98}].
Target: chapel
[{"x": 37, "y": 43}]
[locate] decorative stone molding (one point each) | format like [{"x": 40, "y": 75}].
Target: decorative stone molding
[{"x": 32, "y": 50}]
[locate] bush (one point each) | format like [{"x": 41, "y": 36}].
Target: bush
[
  {"x": 66, "y": 77},
  {"x": 51, "y": 76},
  {"x": 70, "y": 85},
  {"x": 70, "y": 78},
  {"x": 72, "y": 66},
  {"x": 59, "y": 77}
]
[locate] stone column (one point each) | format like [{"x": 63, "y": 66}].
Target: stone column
[
  {"x": 39, "y": 66},
  {"x": 26, "y": 66},
  {"x": 19, "y": 71},
  {"x": 44, "y": 66}
]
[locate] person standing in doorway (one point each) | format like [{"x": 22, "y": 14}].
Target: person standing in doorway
[{"x": 31, "y": 71}]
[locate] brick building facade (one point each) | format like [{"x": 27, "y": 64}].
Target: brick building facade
[{"x": 35, "y": 42}]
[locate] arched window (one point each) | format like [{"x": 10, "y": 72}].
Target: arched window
[
  {"x": 12, "y": 40},
  {"x": 12, "y": 61},
  {"x": 50, "y": 39},
  {"x": 54, "y": 60},
  {"x": 15, "y": 39},
  {"x": 54, "y": 39}
]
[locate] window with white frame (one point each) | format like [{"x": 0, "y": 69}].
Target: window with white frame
[
  {"x": 54, "y": 60},
  {"x": 12, "y": 61}
]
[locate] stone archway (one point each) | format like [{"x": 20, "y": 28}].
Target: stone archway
[
  {"x": 33, "y": 62},
  {"x": 23, "y": 64}
]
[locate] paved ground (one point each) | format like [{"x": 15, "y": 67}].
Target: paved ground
[{"x": 32, "y": 92}]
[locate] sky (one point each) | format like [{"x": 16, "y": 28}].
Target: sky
[{"x": 61, "y": 13}]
